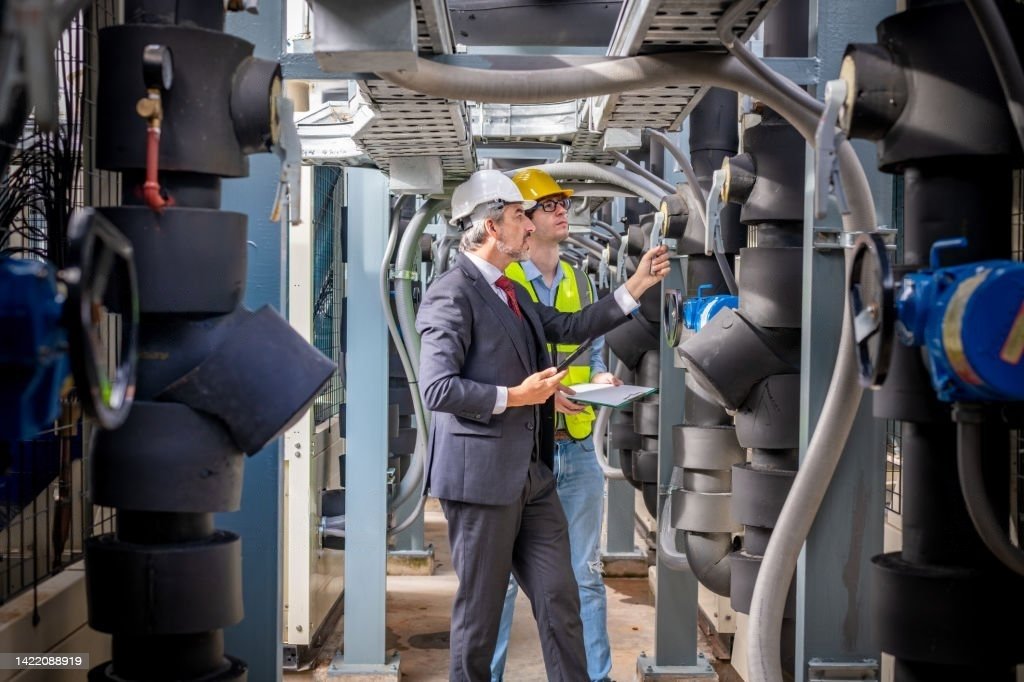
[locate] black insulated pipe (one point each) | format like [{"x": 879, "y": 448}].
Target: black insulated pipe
[
  {"x": 947, "y": 129},
  {"x": 215, "y": 380}
]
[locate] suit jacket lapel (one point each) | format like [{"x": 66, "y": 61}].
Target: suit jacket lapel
[
  {"x": 536, "y": 331},
  {"x": 513, "y": 327}
]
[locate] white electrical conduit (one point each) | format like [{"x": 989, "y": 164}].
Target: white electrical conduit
[
  {"x": 600, "y": 437},
  {"x": 605, "y": 227},
  {"x": 671, "y": 557},
  {"x": 771, "y": 78},
  {"x": 408, "y": 349},
  {"x": 596, "y": 189},
  {"x": 844, "y": 393},
  {"x": 589, "y": 245},
  {"x": 843, "y": 398},
  {"x": 582, "y": 170},
  {"x": 406, "y": 261},
  {"x": 411, "y": 481},
  {"x": 685, "y": 166},
  {"x": 1001, "y": 49},
  {"x": 635, "y": 167},
  {"x": 701, "y": 204}
]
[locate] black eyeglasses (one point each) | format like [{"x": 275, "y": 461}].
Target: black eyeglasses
[{"x": 550, "y": 205}]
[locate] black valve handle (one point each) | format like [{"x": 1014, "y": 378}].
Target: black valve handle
[
  {"x": 101, "y": 278},
  {"x": 872, "y": 308}
]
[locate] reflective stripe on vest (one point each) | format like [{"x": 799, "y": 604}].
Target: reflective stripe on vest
[{"x": 567, "y": 300}]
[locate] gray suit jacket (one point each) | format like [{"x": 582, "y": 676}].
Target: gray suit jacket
[{"x": 472, "y": 343}]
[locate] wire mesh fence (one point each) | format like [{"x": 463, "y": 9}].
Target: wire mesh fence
[
  {"x": 45, "y": 514},
  {"x": 894, "y": 428},
  {"x": 328, "y": 284}
]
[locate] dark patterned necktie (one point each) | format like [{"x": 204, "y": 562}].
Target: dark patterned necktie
[{"x": 506, "y": 285}]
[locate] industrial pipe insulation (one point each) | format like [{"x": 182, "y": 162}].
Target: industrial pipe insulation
[{"x": 844, "y": 392}]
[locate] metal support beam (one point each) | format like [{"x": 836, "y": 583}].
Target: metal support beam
[
  {"x": 366, "y": 461},
  {"x": 675, "y": 608},
  {"x": 833, "y": 591},
  {"x": 621, "y": 556},
  {"x": 257, "y": 639}
]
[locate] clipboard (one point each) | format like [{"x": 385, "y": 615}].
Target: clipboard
[{"x": 606, "y": 395}]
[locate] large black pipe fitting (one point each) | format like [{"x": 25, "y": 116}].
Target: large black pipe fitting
[
  {"x": 714, "y": 137},
  {"x": 758, "y": 494},
  {"x": 702, "y": 512},
  {"x": 208, "y": 15},
  {"x": 170, "y": 346},
  {"x": 229, "y": 380},
  {"x": 254, "y": 104},
  {"x": 730, "y": 355},
  {"x": 770, "y": 416},
  {"x": 142, "y": 465},
  {"x": 645, "y": 466},
  {"x": 923, "y": 612},
  {"x": 740, "y": 177},
  {"x": 709, "y": 448},
  {"x": 955, "y": 107},
  {"x": 623, "y": 437},
  {"x": 714, "y": 132},
  {"x": 189, "y": 260},
  {"x": 957, "y": 198},
  {"x": 648, "y": 372},
  {"x": 245, "y": 370},
  {"x": 876, "y": 91},
  {"x": 631, "y": 340},
  {"x": 745, "y": 568},
  {"x": 702, "y": 270},
  {"x": 132, "y": 666},
  {"x": 777, "y": 194},
  {"x": 770, "y": 285},
  {"x": 701, "y": 409},
  {"x": 708, "y": 555},
  {"x": 198, "y": 130},
  {"x": 907, "y": 394},
  {"x": 645, "y": 417},
  {"x": 154, "y": 580}
]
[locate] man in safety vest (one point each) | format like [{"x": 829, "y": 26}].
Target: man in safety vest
[{"x": 580, "y": 481}]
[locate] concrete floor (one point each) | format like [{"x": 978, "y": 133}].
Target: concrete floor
[{"x": 418, "y": 620}]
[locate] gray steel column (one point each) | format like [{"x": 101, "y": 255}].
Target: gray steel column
[
  {"x": 621, "y": 533},
  {"x": 366, "y": 439},
  {"x": 675, "y": 613},
  {"x": 833, "y": 592}
]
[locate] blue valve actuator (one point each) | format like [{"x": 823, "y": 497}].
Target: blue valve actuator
[
  {"x": 33, "y": 347},
  {"x": 699, "y": 310},
  {"x": 970, "y": 319}
]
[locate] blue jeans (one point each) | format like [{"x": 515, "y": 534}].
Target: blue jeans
[{"x": 580, "y": 485}]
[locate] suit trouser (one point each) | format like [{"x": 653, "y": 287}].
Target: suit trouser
[{"x": 529, "y": 538}]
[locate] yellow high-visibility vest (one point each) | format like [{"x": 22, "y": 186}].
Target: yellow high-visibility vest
[{"x": 567, "y": 300}]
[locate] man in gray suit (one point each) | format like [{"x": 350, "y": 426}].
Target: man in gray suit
[{"x": 485, "y": 374}]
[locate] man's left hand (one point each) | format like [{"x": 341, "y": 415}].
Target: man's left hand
[
  {"x": 606, "y": 378},
  {"x": 564, "y": 405}
]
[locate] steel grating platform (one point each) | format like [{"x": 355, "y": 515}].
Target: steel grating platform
[{"x": 394, "y": 122}]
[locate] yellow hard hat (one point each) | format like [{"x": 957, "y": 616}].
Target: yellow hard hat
[{"x": 536, "y": 184}]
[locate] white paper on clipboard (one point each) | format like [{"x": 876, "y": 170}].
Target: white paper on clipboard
[{"x": 607, "y": 395}]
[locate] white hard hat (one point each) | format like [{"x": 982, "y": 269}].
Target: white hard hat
[{"x": 484, "y": 187}]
